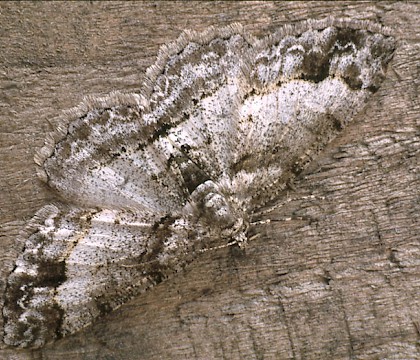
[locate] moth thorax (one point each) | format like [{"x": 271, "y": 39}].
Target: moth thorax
[{"x": 217, "y": 211}]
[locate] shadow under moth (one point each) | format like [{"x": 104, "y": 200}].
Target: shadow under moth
[{"x": 152, "y": 179}]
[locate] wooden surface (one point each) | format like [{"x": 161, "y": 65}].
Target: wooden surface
[{"x": 344, "y": 285}]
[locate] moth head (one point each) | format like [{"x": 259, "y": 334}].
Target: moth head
[{"x": 214, "y": 209}]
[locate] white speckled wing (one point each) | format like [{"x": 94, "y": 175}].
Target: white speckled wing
[
  {"x": 80, "y": 264},
  {"x": 116, "y": 151},
  {"x": 222, "y": 124},
  {"x": 300, "y": 90}
]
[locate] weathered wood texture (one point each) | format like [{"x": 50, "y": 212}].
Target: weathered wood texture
[{"x": 345, "y": 285}]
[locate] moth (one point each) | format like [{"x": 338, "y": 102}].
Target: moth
[{"x": 152, "y": 179}]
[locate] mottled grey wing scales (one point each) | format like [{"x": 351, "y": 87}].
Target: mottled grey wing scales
[
  {"x": 318, "y": 81},
  {"x": 80, "y": 264},
  {"x": 195, "y": 96},
  {"x": 221, "y": 125},
  {"x": 116, "y": 154}
]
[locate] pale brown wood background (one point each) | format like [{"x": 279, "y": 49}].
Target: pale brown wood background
[{"x": 345, "y": 285}]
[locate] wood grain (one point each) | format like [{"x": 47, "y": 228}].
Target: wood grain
[{"x": 342, "y": 284}]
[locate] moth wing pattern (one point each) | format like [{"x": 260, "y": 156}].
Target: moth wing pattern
[
  {"x": 79, "y": 264},
  {"x": 318, "y": 80},
  {"x": 149, "y": 180},
  {"x": 116, "y": 149}
]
